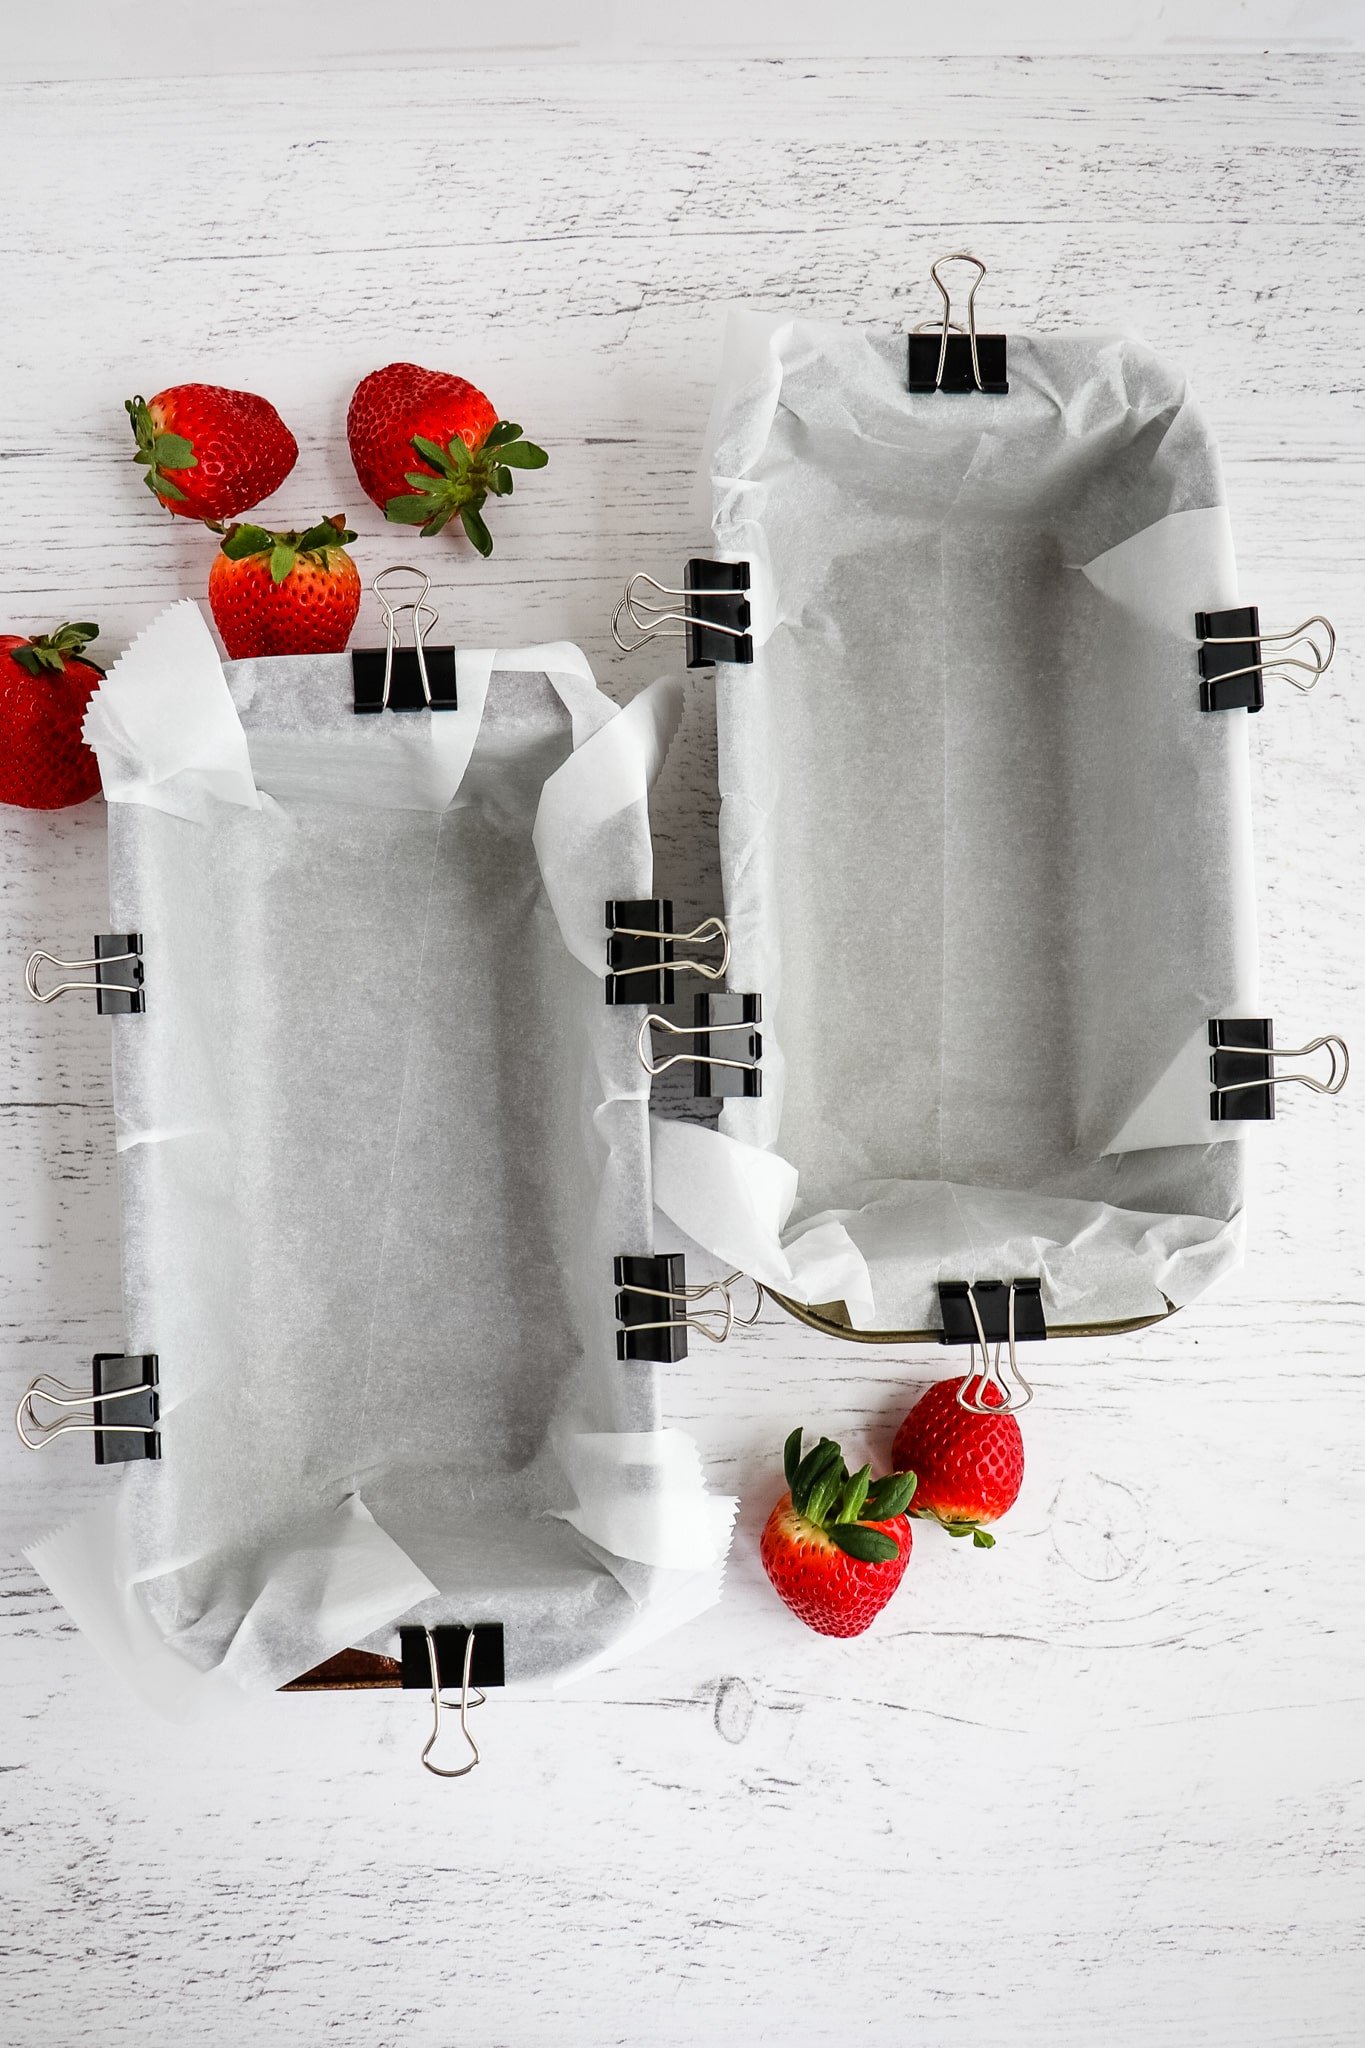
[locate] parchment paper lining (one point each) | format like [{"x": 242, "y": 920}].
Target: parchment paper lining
[
  {"x": 984, "y": 858},
  {"x": 379, "y": 1137}
]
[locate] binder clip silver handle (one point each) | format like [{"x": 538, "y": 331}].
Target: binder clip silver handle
[
  {"x": 703, "y": 934},
  {"x": 948, "y": 324},
  {"x": 58, "y": 1395},
  {"x": 1011, "y": 1396},
  {"x": 1320, "y": 651},
  {"x": 712, "y": 1320},
  {"x": 420, "y": 610},
  {"x": 652, "y": 1066},
  {"x": 97, "y": 986},
  {"x": 644, "y": 1335},
  {"x": 668, "y": 620},
  {"x": 466, "y": 1706},
  {"x": 731, "y": 1281},
  {"x": 1338, "y": 1054},
  {"x": 710, "y": 613},
  {"x": 649, "y": 619}
]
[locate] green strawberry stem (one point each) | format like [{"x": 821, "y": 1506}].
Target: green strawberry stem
[
  {"x": 461, "y": 479},
  {"x": 243, "y": 540},
  {"x": 46, "y": 653},
  {"x": 843, "y": 1504},
  {"x": 158, "y": 452},
  {"x": 982, "y": 1539}
]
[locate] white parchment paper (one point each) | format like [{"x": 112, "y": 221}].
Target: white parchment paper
[
  {"x": 379, "y": 1139},
  {"x": 985, "y": 859}
]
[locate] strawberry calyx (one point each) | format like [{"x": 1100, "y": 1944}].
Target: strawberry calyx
[
  {"x": 982, "y": 1538},
  {"x": 461, "y": 479},
  {"x": 842, "y": 1504},
  {"x": 158, "y": 451},
  {"x": 242, "y": 540},
  {"x": 46, "y": 653}
]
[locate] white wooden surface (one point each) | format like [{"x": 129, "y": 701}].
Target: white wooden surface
[
  {"x": 83, "y": 39},
  {"x": 1102, "y": 1786}
]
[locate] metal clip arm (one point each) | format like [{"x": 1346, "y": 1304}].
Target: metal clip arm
[
  {"x": 58, "y": 1395},
  {"x": 668, "y": 620},
  {"x": 714, "y": 1321},
  {"x": 466, "y": 1706},
  {"x": 1338, "y": 1054},
  {"x": 420, "y": 610},
  {"x": 94, "y": 987},
  {"x": 653, "y": 1066},
  {"x": 971, "y": 1395},
  {"x": 958, "y": 256},
  {"x": 1280, "y": 664},
  {"x": 704, "y": 934}
]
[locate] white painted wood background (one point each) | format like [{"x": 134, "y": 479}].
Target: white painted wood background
[{"x": 1101, "y": 1786}]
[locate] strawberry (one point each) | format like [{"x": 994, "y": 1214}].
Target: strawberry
[
  {"x": 970, "y": 1467},
  {"x": 836, "y": 1547},
  {"x": 427, "y": 445},
  {"x": 209, "y": 453},
  {"x": 45, "y": 685},
  {"x": 285, "y": 593}
]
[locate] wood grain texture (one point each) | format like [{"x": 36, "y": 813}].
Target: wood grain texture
[{"x": 1101, "y": 1786}]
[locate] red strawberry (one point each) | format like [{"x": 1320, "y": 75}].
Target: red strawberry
[
  {"x": 209, "y": 453},
  {"x": 427, "y": 445},
  {"x": 285, "y": 593},
  {"x": 45, "y": 685},
  {"x": 969, "y": 1466},
  {"x": 836, "y": 1547}
]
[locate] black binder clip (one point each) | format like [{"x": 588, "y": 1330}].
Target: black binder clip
[
  {"x": 710, "y": 613},
  {"x": 945, "y": 357},
  {"x": 1242, "y": 1068},
  {"x": 656, "y": 1308},
  {"x": 394, "y": 678},
  {"x": 123, "y": 1404},
  {"x": 116, "y": 980},
  {"x": 447, "y": 1656},
  {"x": 986, "y": 1312},
  {"x": 1233, "y": 661},
  {"x": 729, "y": 1067},
  {"x": 450, "y": 1644},
  {"x": 641, "y": 961}
]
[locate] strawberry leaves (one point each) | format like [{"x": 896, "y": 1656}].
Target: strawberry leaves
[
  {"x": 853, "y": 1496},
  {"x": 843, "y": 1504},
  {"x": 460, "y": 480},
  {"x": 46, "y": 653},
  {"x": 512, "y": 450},
  {"x": 868, "y": 1546},
  {"x": 471, "y": 519},
  {"x": 982, "y": 1539},
  {"x": 890, "y": 1496},
  {"x": 158, "y": 452},
  {"x": 243, "y": 540}
]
